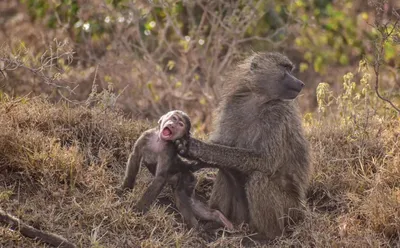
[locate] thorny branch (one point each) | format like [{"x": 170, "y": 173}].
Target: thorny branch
[
  {"x": 199, "y": 53},
  {"x": 48, "y": 62},
  {"x": 386, "y": 30}
]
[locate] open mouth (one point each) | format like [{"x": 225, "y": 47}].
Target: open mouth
[{"x": 166, "y": 133}]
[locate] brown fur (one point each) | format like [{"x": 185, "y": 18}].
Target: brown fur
[{"x": 259, "y": 146}]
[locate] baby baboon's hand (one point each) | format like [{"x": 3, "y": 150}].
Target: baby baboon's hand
[
  {"x": 139, "y": 209},
  {"x": 119, "y": 191},
  {"x": 182, "y": 145}
]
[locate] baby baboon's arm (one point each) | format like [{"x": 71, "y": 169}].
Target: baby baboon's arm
[
  {"x": 214, "y": 155},
  {"x": 133, "y": 164},
  {"x": 163, "y": 164},
  {"x": 151, "y": 193}
]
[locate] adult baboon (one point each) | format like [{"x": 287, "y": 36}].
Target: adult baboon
[
  {"x": 155, "y": 150},
  {"x": 259, "y": 146}
]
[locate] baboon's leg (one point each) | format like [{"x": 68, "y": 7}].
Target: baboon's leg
[
  {"x": 183, "y": 189},
  {"x": 239, "y": 199},
  {"x": 221, "y": 197},
  {"x": 183, "y": 203},
  {"x": 270, "y": 219},
  {"x": 228, "y": 196},
  {"x": 203, "y": 212}
]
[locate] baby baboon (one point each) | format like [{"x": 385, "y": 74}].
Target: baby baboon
[
  {"x": 258, "y": 145},
  {"x": 156, "y": 151}
]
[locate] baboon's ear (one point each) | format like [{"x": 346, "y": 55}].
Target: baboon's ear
[{"x": 160, "y": 120}]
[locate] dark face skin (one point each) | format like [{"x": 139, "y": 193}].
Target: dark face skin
[
  {"x": 172, "y": 126},
  {"x": 273, "y": 77},
  {"x": 291, "y": 86}
]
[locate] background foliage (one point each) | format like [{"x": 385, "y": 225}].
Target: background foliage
[{"x": 158, "y": 55}]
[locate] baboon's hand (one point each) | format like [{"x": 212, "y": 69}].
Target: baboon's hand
[
  {"x": 120, "y": 191},
  {"x": 182, "y": 145},
  {"x": 140, "y": 209}
]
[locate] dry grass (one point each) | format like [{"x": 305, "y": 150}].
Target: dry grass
[
  {"x": 59, "y": 166},
  {"x": 354, "y": 196}
]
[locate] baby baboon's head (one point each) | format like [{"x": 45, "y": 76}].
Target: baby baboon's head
[{"x": 174, "y": 125}]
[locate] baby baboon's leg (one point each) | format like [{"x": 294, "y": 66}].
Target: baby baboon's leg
[
  {"x": 229, "y": 197},
  {"x": 202, "y": 211},
  {"x": 183, "y": 188},
  {"x": 183, "y": 203}
]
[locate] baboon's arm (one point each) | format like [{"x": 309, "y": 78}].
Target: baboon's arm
[
  {"x": 133, "y": 164},
  {"x": 213, "y": 155},
  {"x": 151, "y": 193},
  {"x": 194, "y": 165},
  {"x": 163, "y": 164}
]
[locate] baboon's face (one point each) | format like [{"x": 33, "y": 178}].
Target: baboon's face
[
  {"x": 272, "y": 73},
  {"x": 173, "y": 125}
]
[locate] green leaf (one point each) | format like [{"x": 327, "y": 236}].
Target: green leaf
[
  {"x": 390, "y": 51},
  {"x": 318, "y": 64},
  {"x": 343, "y": 59},
  {"x": 170, "y": 64},
  {"x": 303, "y": 67}
]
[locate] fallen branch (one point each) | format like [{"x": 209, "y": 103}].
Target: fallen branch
[{"x": 31, "y": 232}]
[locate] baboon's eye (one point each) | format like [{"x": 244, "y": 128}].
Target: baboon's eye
[
  {"x": 181, "y": 124},
  {"x": 287, "y": 67},
  {"x": 174, "y": 118}
]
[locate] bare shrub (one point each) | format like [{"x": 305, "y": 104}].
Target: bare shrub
[
  {"x": 46, "y": 68},
  {"x": 177, "y": 62},
  {"x": 158, "y": 55}
]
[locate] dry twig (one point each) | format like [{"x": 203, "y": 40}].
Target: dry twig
[
  {"x": 50, "y": 238},
  {"x": 386, "y": 30}
]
